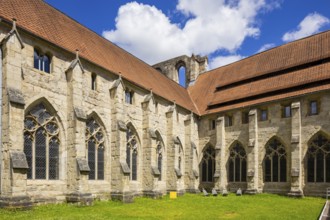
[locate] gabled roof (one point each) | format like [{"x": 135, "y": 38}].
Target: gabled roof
[
  {"x": 44, "y": 21},
  {"x": 292, "y": 69},
  {"x": 289, "y": 70}
]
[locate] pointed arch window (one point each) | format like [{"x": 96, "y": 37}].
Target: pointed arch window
[
  {"x": 95, "y": 149},
  {"x": 160, "y": 159},
  {"x": 132, "y": 153},
  {"x": 318, "y": 159},
  {"x": 182, "y": 75},
  {"x": 178, "y": 158},
  {"x": 275, "y": 162},
  {"x": 237, "y": 163},
  {"x": 41, "y": 144},
  {"x": 208, "y": 164}
]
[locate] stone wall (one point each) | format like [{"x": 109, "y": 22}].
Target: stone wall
[
  {"x": 66, "y": 92},
  {"x": 294, "y": 133}
]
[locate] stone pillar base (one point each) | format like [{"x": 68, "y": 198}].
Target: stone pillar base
[
  {"x": 80, "y": 198},
  {"x": 15, "y": 202},
  {"x": 153, "y": 194},
  {"x": 178, "y": 192},
  {"x": 193, "y": 191},
  {"x": 251, "y": 191},
  {"x": 125, "y": 197},
  {"x": 296, "y": 194}
]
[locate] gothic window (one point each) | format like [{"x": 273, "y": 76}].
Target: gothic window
[
  {"x": 41, "y": 144},
  {"x": 132, "y": 153},
  {"x": 237, "y": 164},
  {"x": 179, "y": 158},
  {"x": 95, "y": 149},
  {"x": 318, "y": 160},
  {"x": 160, "y": 159},
  {"x": 275, "y": 162},
  {"x": 41, "y": 61},
  {"x": 208, "y": 164},
  {"x": 182, "y": 76}
]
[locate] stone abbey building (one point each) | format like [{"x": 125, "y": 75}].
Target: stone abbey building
[{"x": 82, "y": 119}]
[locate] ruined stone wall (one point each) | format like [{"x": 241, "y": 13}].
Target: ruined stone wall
[{"x": 193, "y": 66}]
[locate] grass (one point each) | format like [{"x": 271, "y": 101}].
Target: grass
[{"x": 189, "y": 206}]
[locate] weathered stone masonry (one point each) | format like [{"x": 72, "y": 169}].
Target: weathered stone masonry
[{"x": 169, "y": 140}]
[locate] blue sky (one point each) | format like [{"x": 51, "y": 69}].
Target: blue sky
[{"x": 225, "y": 30}]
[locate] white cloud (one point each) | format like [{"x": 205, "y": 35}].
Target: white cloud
[
  {"x": 311, "y": 24},
  {"x": 211, "y": 25},
  {"x": 224, "y": 60},
  {"x": 266, "y": 47}
]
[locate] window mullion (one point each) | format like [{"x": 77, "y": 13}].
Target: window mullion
[
  {"x": 96, "y": 159},
  {"x": 240, "y": 170},
  {"x": 315, "y": 158},
  {"x": 324, "y": 168},
  {"x": 278, "y": 168},
  {"x": 47, "y": 155},
  {"x": 34, "y": 155},
  {"x": 271, "y": 168},
  {"x": 235, "y": 169}
]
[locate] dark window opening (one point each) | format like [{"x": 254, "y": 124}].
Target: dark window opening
[
  {"x": 132, "y": 154},
  {"x": 237, "y": 164},
  {"x": 93, "y": 86},
  {"x": 228, "y": 120},
  {"x": 286, "y": 111},
  {"x": 41, "y": 61},
  {"x": 318, "y": 160},
  {"x": 313, "y": 108},
  {"x": 95, "y": 148},
  {"x": 212, "y": 124},
  {"x": 129, "y": 97},
  {"x": 208, "y": 164},
  {"x": 263, "y": 115},
  {"x": 245, "y": 117},
  {"x": 41, "y": 144},
  {"x": 275, "y": 162}
]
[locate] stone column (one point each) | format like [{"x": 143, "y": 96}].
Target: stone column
[
  {"x": 220, "y": 175},
  {"x": 13, "y": 161},
  {"x": 77, "y": 168},
  {"x": 253, "y": 154},
  {"x": 296, "y": 157},
  {"x": 191, "y": 174},
  {"x": 120, "y": 171},
  {"x": 150, "y": 170},
  {"x": 172, "y": 143}
]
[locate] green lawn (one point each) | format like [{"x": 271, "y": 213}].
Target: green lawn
[{"x": 189, "y": 206}]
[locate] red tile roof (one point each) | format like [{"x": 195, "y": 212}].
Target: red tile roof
[
  {"x": 42, "y": 20},
  {"x": 281, "y": 72},
  {"x": 290, "y": 70}
]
